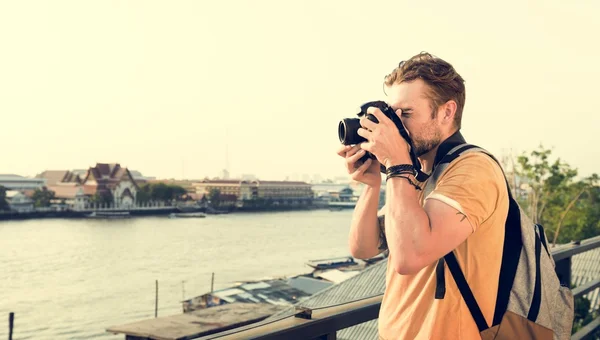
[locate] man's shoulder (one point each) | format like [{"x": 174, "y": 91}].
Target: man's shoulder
[
  {"x": 475, "y": 164},
  {"x": 473, "y": 184}
]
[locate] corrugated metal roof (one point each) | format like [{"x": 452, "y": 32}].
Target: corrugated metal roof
[
  {"x": 585, "y": 267},
  {"x": 308, "y": 285},
  {"x": 370, "y": 282},
  {"x": 276, "y": 292}
]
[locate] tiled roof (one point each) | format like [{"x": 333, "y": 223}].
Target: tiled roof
[
  {"x": 65, "y": 191},
  {"x": 54, "y": 177},
  {"x": 89, "y": 190},
  {"x": 108, "y": 176},
  {"x": 370, "y": 282}
]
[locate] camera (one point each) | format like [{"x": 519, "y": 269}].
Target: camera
[{"x": 348, "y": 127}]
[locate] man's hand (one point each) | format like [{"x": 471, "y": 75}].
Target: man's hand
[
  {"x": 383, "y": 139},
  {"x": 367, "y": 172}
]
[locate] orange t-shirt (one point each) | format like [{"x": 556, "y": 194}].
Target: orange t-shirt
[{"x": 475, "y": 185}]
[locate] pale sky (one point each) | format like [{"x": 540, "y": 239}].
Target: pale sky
[{"x": 163, "y": 86}]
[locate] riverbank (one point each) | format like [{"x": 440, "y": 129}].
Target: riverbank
[
  {"x": 155, "y": 211},
  {"x": 74, "y": 214}
]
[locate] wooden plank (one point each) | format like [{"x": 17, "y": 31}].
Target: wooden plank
[{"x": 197, "y": 323}]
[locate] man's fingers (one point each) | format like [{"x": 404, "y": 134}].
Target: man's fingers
[
  {"x": 367, "y": 123},
  {"x": 343, "y": 150},
  {"x": 366, "y": 134},
  {"x": 361, "y": 169},
  {"x": 379, "y": 115},
  {"x": 352, "y": 150},
  {"x": 356, "y": 156},
  {"x": 367, "y": 146}
]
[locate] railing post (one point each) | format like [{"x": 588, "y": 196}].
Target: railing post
[{"x": 563, "y": 270}]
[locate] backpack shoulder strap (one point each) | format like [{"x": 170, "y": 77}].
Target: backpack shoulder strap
[
  {"x": 450, "y": 258},
  {"x": 439, "y": 167},
  {"x": 511, "y": 249}
]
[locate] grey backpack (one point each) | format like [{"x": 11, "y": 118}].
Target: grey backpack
[{"x": 531, "y": 302}]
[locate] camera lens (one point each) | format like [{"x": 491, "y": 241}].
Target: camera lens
[{"x": 348, "y": 131}]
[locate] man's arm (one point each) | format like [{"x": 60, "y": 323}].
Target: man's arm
[
  {"x": 364, "y": 237},
  {"x": 418, "y": 236}
]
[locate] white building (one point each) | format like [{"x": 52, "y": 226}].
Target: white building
[
  {"x": 19, "y": 183},
  {"x": 18, "y": 201}
]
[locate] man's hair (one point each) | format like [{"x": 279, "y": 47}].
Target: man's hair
[{"x": 443, "y": 81}]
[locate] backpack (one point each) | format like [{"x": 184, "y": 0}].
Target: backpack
[{"x": 531, "y": 302}]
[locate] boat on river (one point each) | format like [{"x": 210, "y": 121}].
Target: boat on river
[
  {"x": 109, "y": 214},
  {"x": 187, "y": 215}
]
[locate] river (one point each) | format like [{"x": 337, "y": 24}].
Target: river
[{"x": 73, "y": 278}]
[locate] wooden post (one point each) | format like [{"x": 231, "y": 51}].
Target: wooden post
[
  {"x": 212, "y": 282},
  {"x": 183, "y": 295},
  {"x": 156, "y": 301},
  {"x": 11, "y": 322}
]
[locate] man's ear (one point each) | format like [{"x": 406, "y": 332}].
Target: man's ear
[{"x": 448, "y": 112}]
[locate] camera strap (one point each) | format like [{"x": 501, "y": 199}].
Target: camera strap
[{"x": 420, "y": 175}]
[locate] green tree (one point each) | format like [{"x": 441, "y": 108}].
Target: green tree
[
  {"x": 159, "y": 192},
  {"x": 102, "y": 197},
  {"x": 143, "y": 194},
  {"x": 42, "y": 197},
  {"x": 177, "y": 192},
  {"x": 3, "y": 203},
  {"x": 564, "y": 205},
  {"x": 214, "y": 196}
]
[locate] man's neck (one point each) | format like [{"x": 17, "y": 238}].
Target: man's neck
[{"x": 428, "y": 160}]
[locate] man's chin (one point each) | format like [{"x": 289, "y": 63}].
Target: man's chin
[{"x": 423, "y": 151}]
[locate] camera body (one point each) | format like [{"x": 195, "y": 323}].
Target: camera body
[{"x": 348, "y": 127}]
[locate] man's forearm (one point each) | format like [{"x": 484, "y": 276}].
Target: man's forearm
[
  {"x": 407, "y": 225},
  {"x": 364, "y": 232}
]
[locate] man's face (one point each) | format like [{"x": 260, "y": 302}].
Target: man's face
[{"x": 410, "y": 101}]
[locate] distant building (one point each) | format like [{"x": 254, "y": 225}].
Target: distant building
[
  {"x": 55, "y": 177},
  {"x": 112, "y": 182},
  {"x": 240, "y": 190},
  {"x": 67, "y": 187},
  {"x": 139, "y": 178},
  {"x": 17, "y": 201},
  {"x": 20, "y": 183},
  {"x": 225, "y": 187},
  {"x": 329, "y": 191},
  {"x": 71, "y": 194},
  {"x": 282, "y": 189}
]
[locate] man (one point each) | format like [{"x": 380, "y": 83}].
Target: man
[{"x": 466, "y": 211}]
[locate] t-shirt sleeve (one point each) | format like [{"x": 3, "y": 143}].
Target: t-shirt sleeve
[{"x": 472, "y": 185}]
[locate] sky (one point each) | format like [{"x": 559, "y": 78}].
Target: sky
[{"x": 184, "y": 89}]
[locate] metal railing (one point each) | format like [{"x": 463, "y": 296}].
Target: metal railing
[{"x": 324, "y": 322}]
